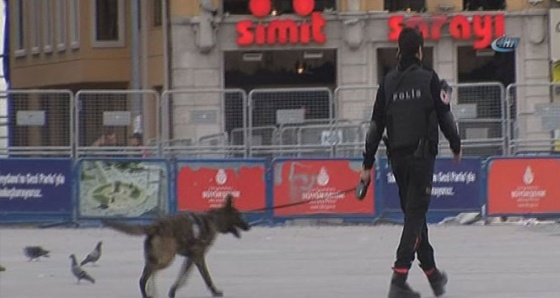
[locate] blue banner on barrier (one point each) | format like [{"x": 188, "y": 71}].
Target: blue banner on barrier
[
  {"x": 456, "y": 187},
  {"x": 35, "y": 185}
]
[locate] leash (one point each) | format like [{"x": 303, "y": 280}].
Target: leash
[{"x": 342, "y": 192}]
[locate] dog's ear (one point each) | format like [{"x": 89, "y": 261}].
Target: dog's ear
[{"x": 229, "y": 201}]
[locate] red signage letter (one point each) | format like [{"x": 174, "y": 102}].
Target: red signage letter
[
  {"x": 395, "y": 27},
  {"x": 317, "y": 25},
  {"x": 281, "y": 29},
  {"x": 305, "y": 33},
  {"x": 437, "y": 23},
  {"x": 245, "y": 36},
  {"x": 482, "y": 27},
  {"x": 421, "y": 24},
  {"x": 460, "y": 28},
  {"x": 260, "y": 32}
]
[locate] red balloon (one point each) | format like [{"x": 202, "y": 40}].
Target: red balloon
[
  {"x": 303, "y": 7},
  {"x": 260, "y": 8}
]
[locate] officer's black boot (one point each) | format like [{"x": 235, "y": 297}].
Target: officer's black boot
[
  {"x": 438, "y": 281},
  {"x": 399, "y": 287}
]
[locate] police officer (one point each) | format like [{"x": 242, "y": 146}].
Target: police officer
[{"x": 410, "y": 104}]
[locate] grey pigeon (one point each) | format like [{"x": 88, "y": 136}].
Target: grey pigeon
[
  {"x": 35, "y": 252},
  {"x": 93, "y": 256},
  {"x": 78, "y": 272}
]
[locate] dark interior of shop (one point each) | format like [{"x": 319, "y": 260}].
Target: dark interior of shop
[
  {"x": 277, "y": 69},
  {"x": 280, "y": 69},
  {"x": 485, "y": 66}
]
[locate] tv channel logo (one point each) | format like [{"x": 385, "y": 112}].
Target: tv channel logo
[{"x": 505, "y": 44}]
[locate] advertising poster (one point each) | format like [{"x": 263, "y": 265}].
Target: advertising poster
[
  {"x": 328, "y": 183},
  {"x": 455, "y": 186},
  {"x": 523, "y": 186},
  {"x": 35, "y": 185},
  {"x": 204, "y": 185},
  {"x": 122, "y": 188}
]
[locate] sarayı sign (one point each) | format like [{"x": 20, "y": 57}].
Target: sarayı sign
[
  {"x": 282, "y": 30},
  {"x": 462, "y": 27}
]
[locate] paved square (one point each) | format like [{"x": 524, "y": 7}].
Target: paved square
[{"x": 293, "y": 262}]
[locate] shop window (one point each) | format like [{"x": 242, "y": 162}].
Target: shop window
[
  {"x": 484, "y": 4},
  {"x": 108, "y": 17},
  {"x": 405, "y": 5},
  {"x": 278, "y": 6},
  {"x": 19, "y": 30},
  {"x": 61, "y": 25},
  {"x": 158, "y": 10},
  {"x": 35, "y": 28},
  {"x": 47, "y": 23},
  {"x": 74, "y": 21}
]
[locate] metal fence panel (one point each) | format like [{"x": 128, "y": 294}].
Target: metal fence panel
[
  {"x": 205, "y": 123},
  {"x": 480, "y": 114},
  {"x": 534, "y": 117},
  {"x": 37, "y": 123},
  {"x": 288, "y": 133},
  {"x": 355, "y": 103},
  {"x": 106, "y": 120},
  {"x": 285, "y": 107},
  {"x": 267, "y": 123}
]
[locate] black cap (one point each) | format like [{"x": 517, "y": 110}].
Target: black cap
[{"x": 410, "y": 39}]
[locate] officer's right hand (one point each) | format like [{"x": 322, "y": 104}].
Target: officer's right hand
[{"x": 457, "y": 157}]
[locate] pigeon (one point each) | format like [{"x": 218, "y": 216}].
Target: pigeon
[
  {"x": 93, "y": 256},
  {"x": 35, "y": 252},
  {"x": 78, "y": 272},
  {"x": 2, "y": 268}
]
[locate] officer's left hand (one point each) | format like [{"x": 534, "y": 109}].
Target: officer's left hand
[
  {"x": 457, "y": 157},
  {"x": 365, "y": 176}
]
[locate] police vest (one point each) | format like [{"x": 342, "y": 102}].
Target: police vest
[{"x": 409, "y": 107}]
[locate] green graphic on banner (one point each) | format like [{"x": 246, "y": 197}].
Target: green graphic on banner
[{"x": 122, "y": 188}]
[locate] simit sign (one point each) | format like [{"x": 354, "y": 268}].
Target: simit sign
[
  {"x": 281, "y": 30},
  {"x": 482, "y": 27}
]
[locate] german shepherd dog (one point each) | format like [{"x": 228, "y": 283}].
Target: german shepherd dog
[{"x": 189, "y": 235}]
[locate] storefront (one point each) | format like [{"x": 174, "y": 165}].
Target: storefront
[{"x": 321, "y": 49}]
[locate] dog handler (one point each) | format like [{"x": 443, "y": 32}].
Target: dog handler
[{"x": 410, "y": 103}]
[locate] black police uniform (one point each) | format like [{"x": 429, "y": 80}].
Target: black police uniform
[{"x": 410, "y": 106}]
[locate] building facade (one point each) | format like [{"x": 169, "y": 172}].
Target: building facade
[{"x": 324, "y": 48}]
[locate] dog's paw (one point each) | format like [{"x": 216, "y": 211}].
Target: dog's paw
[
  {"x": 171, "y": 293},
  {"x": 217, "y": 293}
]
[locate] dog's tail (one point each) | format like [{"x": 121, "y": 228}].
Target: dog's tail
[{"x": 129, "y": 229}]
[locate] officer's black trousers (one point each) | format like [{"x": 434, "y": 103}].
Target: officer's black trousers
[{"x": 414, "y": 179}]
